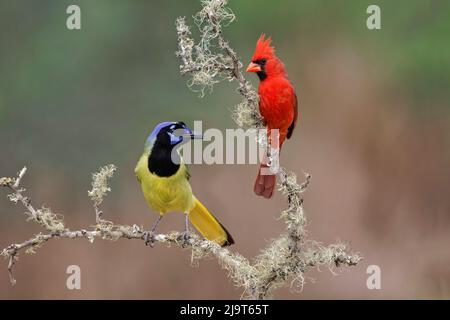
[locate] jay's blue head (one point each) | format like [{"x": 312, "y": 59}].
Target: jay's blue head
[{"x": 169, "y": 134}]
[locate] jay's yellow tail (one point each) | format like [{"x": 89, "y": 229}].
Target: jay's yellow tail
[{"x": 208, "y": 225}]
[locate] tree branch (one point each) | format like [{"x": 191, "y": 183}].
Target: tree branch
[
  {"x": 105, "y": 230},
  {"x": 288, "y": 256}
]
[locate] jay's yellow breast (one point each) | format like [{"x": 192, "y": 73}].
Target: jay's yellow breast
[{"x": 165, "y": 194}]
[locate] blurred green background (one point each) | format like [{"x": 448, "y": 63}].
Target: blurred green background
[{"x": 374, "y": 133}]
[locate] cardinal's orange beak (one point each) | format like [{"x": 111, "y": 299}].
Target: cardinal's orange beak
[{"x": 253, "y": 67}]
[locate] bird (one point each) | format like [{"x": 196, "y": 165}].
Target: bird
[
  {"x": 164, "y": 180},
  {"x": 278, "y": 105}
]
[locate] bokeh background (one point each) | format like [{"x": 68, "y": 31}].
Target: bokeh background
[{"x": 374, "y": 133}]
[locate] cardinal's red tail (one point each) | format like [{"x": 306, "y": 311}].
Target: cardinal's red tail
[{"x": 265, "y": 184}]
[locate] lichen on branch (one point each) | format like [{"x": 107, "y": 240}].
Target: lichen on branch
[
  {"x": 55, "y": 228},
  {"x": 285, "y": 260},
  {"x": 100, "y": 188},
  {"x": 207, "y": 62}
]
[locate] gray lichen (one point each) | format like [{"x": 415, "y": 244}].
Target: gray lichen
[{"x": 208, "y": 61}]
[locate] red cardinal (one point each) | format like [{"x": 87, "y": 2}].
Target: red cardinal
[{"x": 277, "y": 103}]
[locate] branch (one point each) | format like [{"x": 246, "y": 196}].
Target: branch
[
  {"x": 104, "y": 230},
  {"x": 288, "y": 256},
  {"x": 100, "y": 188}
]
